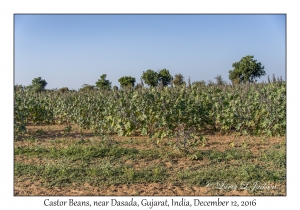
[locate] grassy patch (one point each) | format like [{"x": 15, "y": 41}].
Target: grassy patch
[
  {"x": 219, "y": 156},
  {"x": 227, "y": 173},
  {"x": 75, "y": 152},
  {"x": 276, "y": 156},
  {"x": 102, "y": 174},
  {"x": 109, "y": 161}
]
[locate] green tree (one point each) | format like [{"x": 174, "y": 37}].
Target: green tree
[
  {"x": 115, "y": 88},
  {"x": 219, "y": 80},
  {"x": 178, "y": 80},
  {"x": 63, "y": 90},
  {"x": 87, "y": 87},
  {"x": 37, "y": 85},
  {"x": 18, "y": 87},
  {"x": 165, "y": 77},
  {"x": 246, "y": 70},
  {"x": 127, "y": 81},
  {"x": 199, "y": 83},
  {"x": 210, "y": 83},
  {"x": 150, "y": 77},
  {"x": 103, "y": 83},
  {"x": 138, "y": 86}
]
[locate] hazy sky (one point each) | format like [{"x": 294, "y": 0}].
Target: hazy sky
[{"x": 72, "y": 50}]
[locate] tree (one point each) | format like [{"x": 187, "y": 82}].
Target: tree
[
  {"x": 199, "y": 83},
  {"x": 18, "y": 87},
  {"x": 246, "y": 70},
  {"x": 103, "y": 83},
  {"x": 37, "y": 85},
  {"x": 210, "y": 83},
  {"x": 178, "y": 80},
  {"x": 219, "y": 80},
  {"x": 63, "y": 90},
  {"x": 165, "y": 77},
  {"x": 127, "y": 81},
  {"x": 115, "y": 88},
  {"x": 138, "y": 86},
  {"x": 87, "y": 87},
  {"x": 150, "y": 77}
]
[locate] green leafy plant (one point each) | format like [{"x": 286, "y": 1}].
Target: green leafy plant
[{"x": 249, "y": 109}]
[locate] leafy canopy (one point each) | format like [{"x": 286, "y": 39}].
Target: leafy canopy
[
  {"x": 103, "y": 83},
  {"x": 246, "y": 70},
  {"x": 165, "y": 77},
  {"x": 150, "y": 77},
  {"x": 199, "y": 83},
  {"x": 219, "y": 80},
  {"x": 63, "y": 90},
  {"x": 127, "y": 81},
  {"x": 178, "y": 80},
  {"x": 87, "y": 88},
  {"x": 37, "y": 85}
]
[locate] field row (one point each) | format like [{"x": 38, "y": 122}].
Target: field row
[{"x": 256, "y": 109}]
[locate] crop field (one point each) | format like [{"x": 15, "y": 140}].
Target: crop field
[{"x": 198, "y": 140}]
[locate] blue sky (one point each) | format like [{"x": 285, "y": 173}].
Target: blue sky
[{"x": 72, "y": 50}]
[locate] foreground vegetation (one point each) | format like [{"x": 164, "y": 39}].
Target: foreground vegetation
[
  {"x": 68, "y": 161},
  {"x": 167, "y": 135}
]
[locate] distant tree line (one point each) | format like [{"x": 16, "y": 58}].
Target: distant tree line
[{"x": 244, "y": 71}]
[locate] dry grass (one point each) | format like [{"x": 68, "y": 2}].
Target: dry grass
[{"x": 145, "y": 168}]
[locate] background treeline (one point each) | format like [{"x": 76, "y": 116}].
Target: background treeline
[{"x": 245, "y": 71}]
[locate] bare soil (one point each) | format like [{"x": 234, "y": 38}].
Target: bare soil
[{"x": 45, "y": 135}]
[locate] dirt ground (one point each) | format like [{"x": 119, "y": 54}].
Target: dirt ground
[
  {"x": 45, "y": 134},
  {"x": 152, "y": 189}
]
